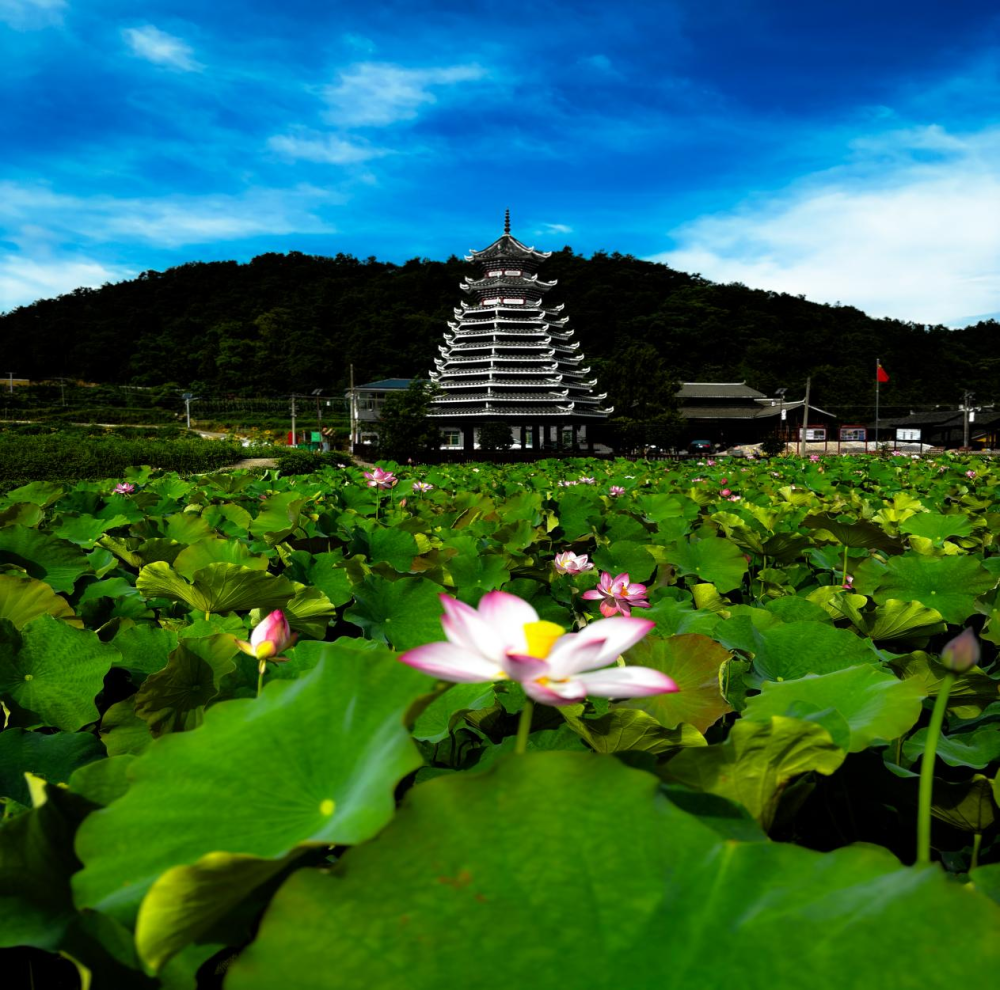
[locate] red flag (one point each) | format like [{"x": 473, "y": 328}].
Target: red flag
[{"x": 881, "y": 375}]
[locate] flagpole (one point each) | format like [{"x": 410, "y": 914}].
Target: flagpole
[{"x": 878, "y": 364}]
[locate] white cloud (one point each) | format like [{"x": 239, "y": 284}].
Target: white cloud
[
  {"x": 169, "y": 221},
  {"x": 30, "y": 15},
  {"x": 908, "y": 230},
  {"x": 161, "y": 48},
  {"x": 374, "y": 94},
  {"x": 554, "y": 228},
  {"x": 25, "y": 279},
  {"x": 325, "y": 148}
]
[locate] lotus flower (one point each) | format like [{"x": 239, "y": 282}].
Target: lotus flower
[
  {"x": 377, "y": 478},
  {"x": 961, "y": 653},
  {"x": 269, "y": 638},
  {"x": 725, "y": 493},
  {"x": 586, "y": 480},
  {"x": 124, "y": 488},
  {"x": 814, "y": 458},
  {"x": 568, "y": 562},
  {"x": 617, "y": 595},
  {"x": 505, "y": 640},
  {"x": 968, "y": 474},
  {"x": 422, "y": 486},
  {"x": 616, "y": 491}
]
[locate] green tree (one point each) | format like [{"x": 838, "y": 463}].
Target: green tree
[
  {"x": 495, "y": 436},
  {"x": 403, "y": 427}
]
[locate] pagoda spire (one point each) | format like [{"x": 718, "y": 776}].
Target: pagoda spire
[{"x": 506, "y": 222}]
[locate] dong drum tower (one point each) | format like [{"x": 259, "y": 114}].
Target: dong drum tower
[{"x": 509, "y": 358}]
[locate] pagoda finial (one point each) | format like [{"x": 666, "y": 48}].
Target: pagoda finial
[{"x": 506, "y": 222}]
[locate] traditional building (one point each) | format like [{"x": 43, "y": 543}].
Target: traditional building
[{"x": 509, "y": 358}]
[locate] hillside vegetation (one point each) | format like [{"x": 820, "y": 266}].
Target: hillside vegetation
[{"x": 296, "y": 322}]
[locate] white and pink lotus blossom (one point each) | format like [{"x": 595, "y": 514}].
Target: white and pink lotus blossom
[
  {"x": 505, "y": 640},
  {"x": 566, "y": 484},
  {"x": 270, "y": 637},
  {"x": 568, "y": 562},
  {"x": 585, "y": 479},
  {"x": 616, "y": 491},
  {"x": 377, "y": 478},
  {"x": 970, "y": 474},
  {"x": 124, "y": 488},
  {"x": 617, "y": 594},
  {"x": 422, "y": 486}
]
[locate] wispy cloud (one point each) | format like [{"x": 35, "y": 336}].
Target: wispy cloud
[
  {"x": 374, "y": 94},
  {"x": 169, "y": 221},
  {"x": 30, "y": 15},
  {"x": 902, "y": 232},
  {"x": 160, "y": 48},
  {"x": 329, "y": 149},
  {"x": 554, "y": 228},
  {"x": 24, "y": 279}
]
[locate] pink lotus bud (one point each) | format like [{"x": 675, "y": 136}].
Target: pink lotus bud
[
  {"x": 270, "y": 637},
  {"x": 961, "y": 653},
  {"x": 725, "y": 493}
]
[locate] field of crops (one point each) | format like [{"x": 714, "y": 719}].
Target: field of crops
[{"x": 666, "y": 728}]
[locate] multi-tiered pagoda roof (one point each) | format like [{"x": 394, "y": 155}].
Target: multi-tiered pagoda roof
[{"x": 507, "y": 355}]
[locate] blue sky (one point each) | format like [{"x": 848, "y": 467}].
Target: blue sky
[{"x": 846, "y": 151}]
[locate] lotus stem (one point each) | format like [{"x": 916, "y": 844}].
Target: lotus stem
[
  {"x": 843, "y": 579},
  {"x": 977, "y": 841},
  {"x": 927, "y": 771},
  {"x": 524, "y": 727},
  {"x": 261, "y": 667}
]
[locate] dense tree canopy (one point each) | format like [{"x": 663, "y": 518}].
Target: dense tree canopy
[{"x": 294, "y": 322}]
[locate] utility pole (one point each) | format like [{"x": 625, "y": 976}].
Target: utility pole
[
  {"x": 805, "y": 419},
  {"x": 295, "y": 441},
  {"x": 188, "y": 399},
  {"x": 353, "y": 438},
  {"x": 966, "y": 417}
]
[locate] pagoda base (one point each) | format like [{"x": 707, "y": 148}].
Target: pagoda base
[{"x": 556, "y": 436}]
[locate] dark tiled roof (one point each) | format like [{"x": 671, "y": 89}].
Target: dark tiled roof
[
  {"x": 718, "y": 390},
  {"x": 719, "y": 412},
  {"x": 388, "y": 383}
]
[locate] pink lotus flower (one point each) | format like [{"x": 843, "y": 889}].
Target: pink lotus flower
[
  {"x": 568, "y": 562},
  {"x": 968, "y": 474},
  {"x": 725, "y": 493},
  {"x": 377, "y": 478},
  {"x": 734, "y": 498},
  {"x": 566, "y": 484},
  {"x": 616, "y": 491},
  {"x": 710, "y": 463},
  {"x": 586, "y": 480},
  {"x": 617, "y": 595},
  {"x": 422, "y": 486},
  {"x": 814, "y": 458},
  {"x": 269, "y": 638},
  {"x": 124, "y": 488},
  {"x": 848, "y": 584},
  {"x": 505, "y": 640}
]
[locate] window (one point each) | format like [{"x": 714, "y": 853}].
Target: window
[{"x": 452, "y": 438}]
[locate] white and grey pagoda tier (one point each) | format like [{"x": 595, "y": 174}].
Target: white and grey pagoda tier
[{"x": 509, "y": 357}]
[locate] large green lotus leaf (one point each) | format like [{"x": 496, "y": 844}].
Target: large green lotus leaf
[
  {"x": 144, "y": 647},
  {"x": 53, "y": 757},
  {"x": 794, "y": 649},
  {"x": 41, "y": 493},
  {"x": 971, "y": 692},
  {"x": 713, "y": 559},
  {"x": 22, "y": 514},
  {"x": 24, "y": 599},
  {"x": 185, "y": 902},
  {"x": 755, "y": 764},
  {"x": 573, "y": 871},
  {"x": 627, "y": 729},
  {"x": 309, "y": 612},
  {"x": 693, "y": 662},
  {"x": 625, "y": 556},
  {"x": 976, "y": 749},
  {"x": 46, "y": 558},
  {"x": 51, "y": 672},
  {"x": 445, "y": 711},
  {"x": 403, "y": 613},
  {"x": 967, "y": 805},
  {"x": 328, "y": 573},
  {"x": 872, "y": 704},
  {"x": 904, "y": 620},
  {"x": 187, "y": 528},
  {"x": 174, "y": 699},
  {"x": 674, "y": 617},
  {"x": 395, "y": 546},
  {"x": 476, "y": 573},
  {"x": 214, "y": 550},
  {"x": 937, "y": 527},
  {"x": 948, "y": 584},
  {"x": 790, "y": 608},
  {"x": 85, "y": 530},
  {"x": 36, "y": 861},
  {"x": 102, "y": 781},
  {"x": 860, "y": 534},
  {"x": 217, "y": 587},
  {"x": 578, "y": 516},
  {"x": 123, "y": 732},
  {"x": 310, "y": 762},
  {"x": 278, "y": 517}
]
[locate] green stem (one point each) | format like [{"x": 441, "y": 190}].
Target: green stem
[
  {"x": 977, "y": 841},
  {"x": 524, "y": 727},
  {"x": 261, "y": 667},
  {"x": 927, "y": 771},
  {"x": 843, "y": 579}
]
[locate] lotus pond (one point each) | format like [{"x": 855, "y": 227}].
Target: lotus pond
[{"x": 197, "y": 795}]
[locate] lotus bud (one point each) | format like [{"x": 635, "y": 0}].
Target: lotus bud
[
  {"x": 270, "y": 637},
  {"x": 961, "y": 653}
]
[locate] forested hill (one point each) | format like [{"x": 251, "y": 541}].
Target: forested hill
[{"x": 295, "y": 322}]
